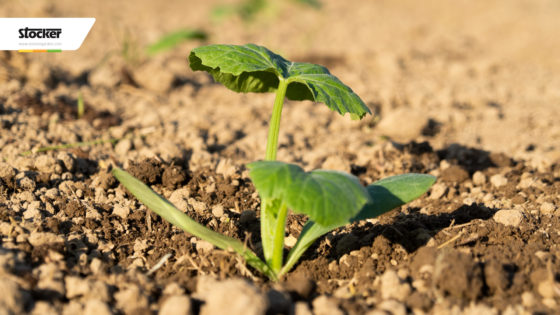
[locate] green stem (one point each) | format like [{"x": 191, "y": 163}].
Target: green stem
[
  {"x": 274, "y": 128},
  {"x": 278, "y": 250},
  {"x": 269, "y": 211}
]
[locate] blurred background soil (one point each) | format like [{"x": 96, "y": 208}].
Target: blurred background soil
[{"x": 465, "y": 90}]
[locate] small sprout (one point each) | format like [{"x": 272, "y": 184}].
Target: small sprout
[
  {"x": 330, "y": 199},
  {"x": 173, "y": 39}
]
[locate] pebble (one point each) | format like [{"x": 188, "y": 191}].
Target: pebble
[
  {"x": 391, "y": 125},
  {"x": 42, "y": 307},
  {"x": 498, "y": 180},
  {"x": 203, "y": 246},
  {"x": 44, "y": 163},
  {"x": 392, "y": 288},
  {"x": 130, "y": 300},
  {"x": 479, "y": 178},
  {"x": 121, "y": 211},
  {"x": 12, "y": 299},
  {"x": 302, "y": 308},
  {"x": 198, "y": 206},
  {"x": 123, "y": 147},
  {"x": 76, "y": 287},
  {"x": 509, "y": 217},
  {"x": 67, "y": 160},
  {"x": 179, "y": 198},
  {"x": 43, "y": 238},
  {"x": 176, "y": 305},
  {"x": 218, "y": 210},
  {"x": 438, "y": 191},
  {"x": 230, "y": 296},
  {"x": 6, "y": 171},
  {"x": 324, "y": 305},
  {"x": 547, "y": 208},
  {"x": 300, "y": 284}
]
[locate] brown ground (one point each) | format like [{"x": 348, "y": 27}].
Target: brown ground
[{"x": 464, "y": 90}]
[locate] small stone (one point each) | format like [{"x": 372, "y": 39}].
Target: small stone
[
  {"x": 12, "y": 299},
  {"x": 149, "y": 76},
  {"x": 204, "y": 246},
  {"x": 198, "y": 206},
  {"x": 44, "y": 163},
  {"x": 67, "y": 160},
  {"x": 547, "y": 208},
  {"x": 41, "y": 308},
  {"x": 176, "y": 305},
  {"x": 123, "y": 147},
  {"x": 96, "y": 307},
  {"x": 230, "y": 296},
  {"x": 179, "y": 198},
  {"x": 44, "y": 238},
  {"x": 498, "y": 180},
  {"x": 302, "y": 308},
  {"x": 300, "y": 284},
  {"x": 509, "y": 217},
  {"x": 391, "y": 125},
  {"x": 324, "y": 305},
  {"x": 131, "y": 299},
  {"x": 392, "y": 288},
  {"x": 290, "y": 241},
  {"x": 548, "y": 288},
  {"x": 26, "y": 183},
  {"x": 218, "y": 210},
  {"x": 479, "y": 178},
  {"x": 438, "y": 190},
  {"x": 121, "y": 211},
  {"x": 7, "y": 172}
]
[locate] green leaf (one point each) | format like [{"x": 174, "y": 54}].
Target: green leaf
[
  {"x": 327, "y": 197},
  {"x": 166, "y": 210},
  {"x": 394, "y": 191},
  {"x": 386, "y": 195},
  {"x": 173, "y": 39},
  {"x": 252, "y": 68}
]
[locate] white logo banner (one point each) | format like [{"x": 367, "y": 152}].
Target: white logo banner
[{"x": 43, "y": 34}]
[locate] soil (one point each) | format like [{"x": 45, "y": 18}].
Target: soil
[{"x": 466, "y": 91}]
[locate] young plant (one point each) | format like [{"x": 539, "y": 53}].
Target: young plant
[{"x": 330, "y": 199}]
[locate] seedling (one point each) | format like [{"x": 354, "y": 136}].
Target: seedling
[
  {"x": 173, "y": 39},
  {"x": 330, "y": 199}
]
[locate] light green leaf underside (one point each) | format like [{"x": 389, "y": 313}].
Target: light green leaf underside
[
  {"x": 167, "y": 211},
  {"x": 252, "y": 68},
  {"x": 327, "y": 197},
  {"x": 386, "y": 194}
]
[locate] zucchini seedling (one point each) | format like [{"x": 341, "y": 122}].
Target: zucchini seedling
[{"x": 330, "y": 199}]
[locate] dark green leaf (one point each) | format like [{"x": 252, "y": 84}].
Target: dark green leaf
[
  {"x": 386, "y": 195},
  {"x": 252, "y": 68},
  {"x": 394, "y": 191},
  {"x": 327, "y": 197}
]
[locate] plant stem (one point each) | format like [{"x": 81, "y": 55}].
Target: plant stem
[
  {"x": 274, "y": 128},
  {"x": 278, "y": 250}
]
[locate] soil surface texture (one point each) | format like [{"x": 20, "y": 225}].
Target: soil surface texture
[{"x": 467, "y": 91}]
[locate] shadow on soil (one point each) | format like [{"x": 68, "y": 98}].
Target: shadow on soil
[{"x": 411, "y": 231}]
